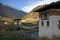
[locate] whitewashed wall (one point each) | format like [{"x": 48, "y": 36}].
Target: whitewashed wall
[{"x": 50, "y": 30}]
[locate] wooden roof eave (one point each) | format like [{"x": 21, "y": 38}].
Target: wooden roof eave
[{"x": 50, "y": 6}]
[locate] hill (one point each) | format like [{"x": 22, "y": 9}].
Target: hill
[
  {"x": 32, "y": 17},
  {"x": 10, "y": 12}
]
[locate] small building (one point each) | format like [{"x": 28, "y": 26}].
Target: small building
[
  {"x": 17, "y": 22},
  {"x": 49, "y": 20},
  {"x": 3, "y": 22}
]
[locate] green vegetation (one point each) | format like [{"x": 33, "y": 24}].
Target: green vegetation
[
  {"x": 9, "y": 28},
  {"x": 46, "y": 38},
  {"x": 13, "y": 32},
  {"x": 29, "y": 24},
  {"x": 22, "y": 36},
  {"x": 16, "y": 36}
]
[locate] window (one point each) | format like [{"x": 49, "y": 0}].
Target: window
[
  {"x": 47, "y": 23},
  {"x": 42, "y": 23},
  {"x": 59, "y": 25},
  {"x": 44, "y": 16},
  {"x": 59, "y": 22}
]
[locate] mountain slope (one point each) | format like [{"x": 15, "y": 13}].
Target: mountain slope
[
  {"x": 32, "y": 17},
  {"x": 9, "y": 12},
  {"x": 6, "y": 19},
  {"x": 38, "y": 7},
  {"x": 17, "y": 13},
  {"x": 2, "y": 12}
]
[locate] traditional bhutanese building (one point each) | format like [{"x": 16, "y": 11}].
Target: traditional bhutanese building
[
  {"x": 17, "y": 22},
  {"x": 49, "y": 20}
]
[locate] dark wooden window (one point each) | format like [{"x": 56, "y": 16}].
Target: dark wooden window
[
  {"x": 47, "y": 23},
  {"x": 44, "y": 16},
  {"x": 42, "y": 23},
  {"x": 59, "y": 25}
]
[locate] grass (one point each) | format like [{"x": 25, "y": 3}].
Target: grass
[
  {"x": 15, "y": 36},
  {"x": 22, "y": 36},
  {"x": 46, "y": 38},
  {"x": 13, "y": 32}
]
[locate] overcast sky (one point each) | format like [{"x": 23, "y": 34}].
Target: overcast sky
[{"x": 25, "y": 5}]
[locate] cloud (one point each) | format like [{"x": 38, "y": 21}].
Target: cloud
[{"x": 33, "y": 3}]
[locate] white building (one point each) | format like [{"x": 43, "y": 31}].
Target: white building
[
  {"x": 49, "y": 22},
  {"x": 17, "y": 22},
  {"x": 5, "y": 23}
]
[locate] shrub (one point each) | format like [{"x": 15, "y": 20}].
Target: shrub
[
  {"x": 15, "y": 36},
  {"x": 56, "y": 38},
  {"x": 44, "y": 38}
]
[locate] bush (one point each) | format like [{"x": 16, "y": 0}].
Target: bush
[
  {"x": 56, "y": 38},
  {"x": 53, "y": 38},
  {"x": 28, "y": 24},
  {"x": 9, "y": 28},
  {"x": 15, "y": 36},
  {"x": 44, "y": 38}
]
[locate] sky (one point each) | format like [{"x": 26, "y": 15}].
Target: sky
[{"x": 25, "y": 5}]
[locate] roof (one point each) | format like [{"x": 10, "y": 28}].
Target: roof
[
  {"x": 54, "y": 5},
  {"x": 16, "y": 19}
]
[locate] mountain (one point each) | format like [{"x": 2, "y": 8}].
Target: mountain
[
  {"x": 2, "y": 12},
  {"x": 38, "y": 7},
  {"x": 10, "y": 12},
  {"x": 32, "y": 17},
  {"x": 6, "y": 19}
]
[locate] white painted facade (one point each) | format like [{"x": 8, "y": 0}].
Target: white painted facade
[
  {"x": 52, "y": 29},
  {"x": 15, "y": 23},
  {"x": 5, "y": 23}
]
